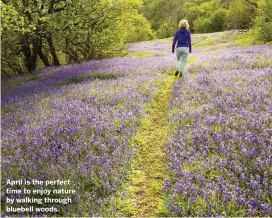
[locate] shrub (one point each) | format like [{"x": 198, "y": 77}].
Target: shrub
[
  {"x": 219, "y": 19},
  {"x": 263, "y": 21}
]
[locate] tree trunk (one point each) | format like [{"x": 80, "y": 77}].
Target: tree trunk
[
  {"x": 34, "y": 56},
  {"x": 30, "y": 57},
  {"x": 52, "y": 50},
  {"x": 41, "y": 54},
  {"x": 43, "y": 58}
]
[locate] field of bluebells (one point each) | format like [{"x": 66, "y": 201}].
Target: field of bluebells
[
  {"x": 75, "y": 122},
  {"x": 220, "y": 147}
]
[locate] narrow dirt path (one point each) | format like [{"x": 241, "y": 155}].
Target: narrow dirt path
[{"x": 144, "y": 196}]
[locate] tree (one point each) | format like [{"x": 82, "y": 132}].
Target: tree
[
  {"x": 219, "y": 19},
  {"x": 164, "y": 15},
  {"x": 241, "y": 15},
  {"x": 202, "y": 15},
  {"x": 25, "y": 22},
  {"x": 263, "y": 21},
  {"x": 52, "y": 32}
]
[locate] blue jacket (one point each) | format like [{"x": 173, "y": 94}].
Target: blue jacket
[{"x": 183, "y": 36}]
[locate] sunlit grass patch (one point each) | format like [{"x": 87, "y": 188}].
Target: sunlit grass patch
[
  {"x": 20, "y": 80},
  {"x": 262, "y": 61},
  {"x": 198, "y": 38},
  {"x": 228, "y": 89},
  {"x": 216, "y": 41},
  {"x": 33, "y": 77},
  {"x": 191, "y": 59},
  {"x": 91, "y": 76},
  {"x": 217, "y": 128},
  {"x": 141, "y": 54},
  {"x": 169, "y": 39},
  {"x": 247, "y": 39},
  {"x": 207, "y": 42}
]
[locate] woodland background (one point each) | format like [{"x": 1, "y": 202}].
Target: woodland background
[{"x": 41, "y": 33}]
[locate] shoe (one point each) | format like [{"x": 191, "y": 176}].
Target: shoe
[{"x": 177, "y": 72}]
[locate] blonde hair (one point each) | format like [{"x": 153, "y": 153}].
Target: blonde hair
[{"x": 183, "y": 24}]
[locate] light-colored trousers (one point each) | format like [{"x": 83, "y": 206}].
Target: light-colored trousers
[{"x": 182, "y": 55}]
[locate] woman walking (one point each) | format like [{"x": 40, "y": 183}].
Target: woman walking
[{"x": 183, "y": 40}]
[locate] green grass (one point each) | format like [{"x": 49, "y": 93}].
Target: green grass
[
  {"x": 166, "y": 39},
  {"x": 191, "y": 59},
  {"x": 216, "y": 40},
  {"x": 247, "y": 39},
  {"x": 144, "y": 195},
  {"x": 91, "y": 76},
  {"x": 140, "y": 54},
  {"x": 20, "y": 80}
]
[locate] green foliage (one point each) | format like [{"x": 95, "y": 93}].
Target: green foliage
[
  {"x": 164, "y": 15},
  {"x": 11, "y": 20},
  {"x": 193, "y": 14},
  {"x": 261, "y": 32},
  {"x": 263, "y": 21},
  {"x": 203, "y": 25},
  {"x": 166, "y": 30},
  {"x": 207, "y": 25},
  {"x": 49, "y": 32},
  {"x": 241, "y": 15},
  {"x": 196, "y": 12},
  {"x": 204, "y": 16},
  {"x": 198, "y": 25},
  {"x": 140, "y": 30},
  {"x": 219, "y": 20},
  {"x": 247, "y": 39},
  {"x": 105, "y": 27}
]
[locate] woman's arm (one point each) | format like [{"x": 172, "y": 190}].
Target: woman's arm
[
  {"x": 189, "y": 42},
  {"x": 174, "y": 43}
]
